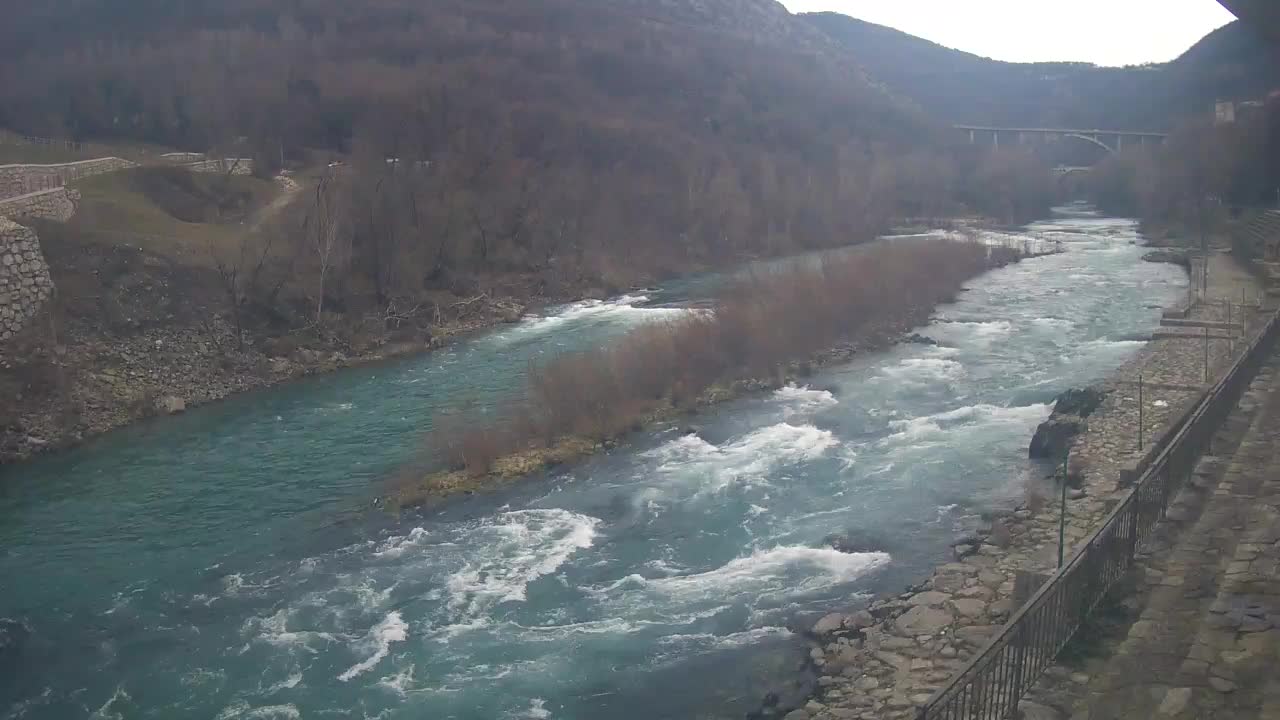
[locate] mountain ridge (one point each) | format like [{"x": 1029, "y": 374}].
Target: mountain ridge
[{"x": 1230, "y": 63}]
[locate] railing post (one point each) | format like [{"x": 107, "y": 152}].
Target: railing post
[
  {"x": 1140, "y": 409},
  {"x": 1062, "y": 516}
]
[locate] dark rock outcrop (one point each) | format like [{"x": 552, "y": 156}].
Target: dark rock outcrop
[
  {"x": 1056, "y": 435},
  {"x": 854, "y": 541},
  {"x": 918, "y": 339},
  {"x": 1177, "y": 257},
  {"x": 1082, "y": 402}
]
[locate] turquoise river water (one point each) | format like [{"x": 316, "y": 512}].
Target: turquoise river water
[{"x": 233, "y": 562}]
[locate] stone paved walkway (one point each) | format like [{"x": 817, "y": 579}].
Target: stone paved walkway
[
  {"x": 882, "y": 662},
  {"x": 1206, "y": 644}
]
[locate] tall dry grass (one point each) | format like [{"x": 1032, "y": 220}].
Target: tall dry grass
[{"x": 758, "y": 325}]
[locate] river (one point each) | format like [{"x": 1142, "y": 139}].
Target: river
[{"x": 233, "y": 562}]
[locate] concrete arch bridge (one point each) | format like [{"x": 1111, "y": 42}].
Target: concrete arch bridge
[{"x": 1113, "y": 141}]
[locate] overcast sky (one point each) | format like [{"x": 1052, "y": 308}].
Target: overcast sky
[{"x": 1106, "y": 32}]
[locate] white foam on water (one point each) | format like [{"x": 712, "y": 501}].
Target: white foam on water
[
  {"x": 232, "y": 584},
  {"x": 286, "y": 684},
  {"x": 1049, "y": 323},
  {"x": 803, "y": 400},
  {"x": 511, "y": 550},
  {"x": 369, "y": 597},
  {"x": 746, "y": 461},
  {"x": 273, "y": 630},
  {"x": 537, "y": 710},
  {"x": 288, "y": 711},
  {"x": 710, "y": 641},
  {"x": 925, "y": 370},
  {"x": 399, "y": 683},
  {"x": 202, "y": 676},
  {"x": 107, "y": 711},
  {"x": 665, "y": 567},
  {"x": 395, "y": 546},
  {"x": 449, "y": 632},
  {"x": 928, "y": 428},
  {"x": 793, "y": 569},
  {"x": 391, "y": 629},
  {"x": 18, "y": 710},
  {"x": 1117, "y": 344},
  {"x": 240, "y": 710},
  {"x": 623, "y": 308}
]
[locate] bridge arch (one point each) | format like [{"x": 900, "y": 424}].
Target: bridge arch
[{"x": 1089, "y": 138}]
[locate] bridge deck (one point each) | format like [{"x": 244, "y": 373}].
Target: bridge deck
[{"x": 1064, "y": 131}]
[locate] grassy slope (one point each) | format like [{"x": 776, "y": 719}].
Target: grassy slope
[{"x": 157, "y": 212}]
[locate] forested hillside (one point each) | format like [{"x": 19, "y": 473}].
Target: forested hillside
[
  {"x": 1231, "y": 63},
  {"x": 583, "y": 141}
]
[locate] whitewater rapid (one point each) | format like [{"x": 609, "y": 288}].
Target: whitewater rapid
[{"x": 232, "y": 563}]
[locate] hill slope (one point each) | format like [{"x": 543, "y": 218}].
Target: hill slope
[{"x": 1229, "y": 63}]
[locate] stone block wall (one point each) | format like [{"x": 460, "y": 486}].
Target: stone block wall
[
  {"x": 237, "y": 166},
  {"x": 182, "y": 157},
  {"x": 25, "y": 284},
  {"x": 57, "y": 204},
  {"x": 25, "y": 179}
]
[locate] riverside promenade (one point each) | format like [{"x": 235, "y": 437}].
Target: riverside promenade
[
  {"x": 885, "y": 661},
  {"x": 1197, "y": 635}
]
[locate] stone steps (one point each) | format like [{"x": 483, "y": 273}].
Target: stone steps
[
  {"x": 1232, "y": 669},
  {"x": 1192, "y": 556}
]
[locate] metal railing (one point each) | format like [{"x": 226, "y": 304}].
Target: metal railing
[{"x": 991, "y": 685}]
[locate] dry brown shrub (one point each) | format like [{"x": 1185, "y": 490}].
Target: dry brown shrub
[{"x": 759, "y": 323}]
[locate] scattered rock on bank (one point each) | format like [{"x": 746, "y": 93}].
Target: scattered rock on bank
[{"x": 170, "y": 405}]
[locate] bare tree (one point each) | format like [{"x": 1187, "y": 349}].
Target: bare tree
[
  {"x": 240, "y": 275},
  {"x": 324, "y": 232}
]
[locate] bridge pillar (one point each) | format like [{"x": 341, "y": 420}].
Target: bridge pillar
[
  {"x": 995, "y": 138},
  {"x": 1119, "y": 143},
  {"x": 972, "y": 138}
]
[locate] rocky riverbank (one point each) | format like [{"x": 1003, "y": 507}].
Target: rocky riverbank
[
  {"x": 888, "y": 658},
  {"x": 130, "y": 335},
  {"x": 87, "y": 382}
]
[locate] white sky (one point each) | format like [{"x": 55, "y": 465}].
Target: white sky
[{"x": 1106, "y": 32}]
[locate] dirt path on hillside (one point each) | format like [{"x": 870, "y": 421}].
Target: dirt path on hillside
[{"x": 289, "y": 190}]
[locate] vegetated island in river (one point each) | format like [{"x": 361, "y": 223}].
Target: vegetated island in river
[{"x": 762, "y": 332}]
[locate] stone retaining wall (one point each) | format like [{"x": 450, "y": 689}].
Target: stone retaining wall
[
  {"x": 25, "y": 284},
  {"x": 236, "y": 166},
  {"x": 57, "y": 204},
  {"x": 182, "y": 157},
  {"x": 25, "y": 179}
]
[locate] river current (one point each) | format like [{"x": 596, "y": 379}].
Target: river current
[{"x": 234, "y": 562}]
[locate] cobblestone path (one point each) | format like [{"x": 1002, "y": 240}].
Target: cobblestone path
[{"x": 1206, "y": 642}]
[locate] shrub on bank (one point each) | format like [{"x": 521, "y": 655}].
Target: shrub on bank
[{"x": 759, "y": 325}]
